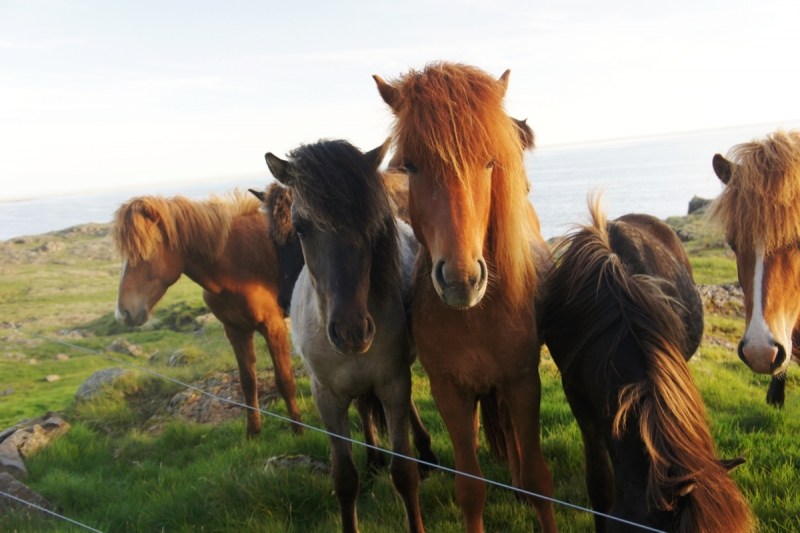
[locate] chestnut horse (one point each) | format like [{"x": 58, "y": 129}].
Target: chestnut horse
[
  {"x": 475, "y": 278},
  {"x": 760, "y": 212},
  {"x": 223, "y": 245},
  {"x": 349, "y": 310},
  {"x": 621, "y": 315}
]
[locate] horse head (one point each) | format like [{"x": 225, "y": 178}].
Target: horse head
[
  {"x": 335, "y": 189},
  {"x": 463, "y": 156},
  {"x": 759, "y": 229}
]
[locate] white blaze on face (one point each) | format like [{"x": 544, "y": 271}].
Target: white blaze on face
[
  {"x": 117, "y": 314},
  {"x": 758, "y": 333}
]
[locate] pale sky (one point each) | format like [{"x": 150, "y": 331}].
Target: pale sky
[{"x": 98, "y": 95}]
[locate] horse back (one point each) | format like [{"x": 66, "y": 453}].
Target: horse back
[{"x": 648, "y": 246}]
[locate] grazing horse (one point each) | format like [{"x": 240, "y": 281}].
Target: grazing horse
[
  {"x": 621, "y": 315},
  {"x": 223, "y": 245},
  {"x": 349, "y": 310},
  {"x": 760, "y": 212},
  {"x": 475, "y": 276}
]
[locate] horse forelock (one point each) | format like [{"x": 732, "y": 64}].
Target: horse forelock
[
  {"x": 278, "y": 207},
  {"x": 144, "y": 223},
  {"x": 760, "y": 201},
  {"x": 450, "y": 121},
  {"x": 666, "y": 406},
  {"x": 336, "y": 188}
]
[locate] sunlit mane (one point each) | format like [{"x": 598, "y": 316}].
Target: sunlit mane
[
  {"x": 143, "y": 223},
  {"x": 278, "y": 207},
  {"x": 595, "y": 292},
  {"x": 451, "y": 121},
  {"x": 762, "y": 198}
]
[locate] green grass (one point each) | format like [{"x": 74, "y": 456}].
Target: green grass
[{"x": 112, "y": 474}]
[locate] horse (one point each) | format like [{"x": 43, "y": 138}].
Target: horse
[
  {"x": 475, "y": 276},
  {"x": 758, "y": 210},
  {"x": 349, "y": 311},
  {"x": 621, "y": 316},
  {"x": 223, "y": 245}
]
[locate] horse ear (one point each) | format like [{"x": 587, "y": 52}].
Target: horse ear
[
  {"x": 389, "y": 93},
  {"x": 685, "y": 488},
  {"x": 503, "y": 79},
  {"x": 257, "y": 194},
  {"x": 279, "y": 168},
  {"x": 525, "y": 133},
  {"x": 731, "y": 464},
  {"x": 148, "y": 211},
  {"x": 723, "y": 168},
  {"x": 376, "y": 155}
]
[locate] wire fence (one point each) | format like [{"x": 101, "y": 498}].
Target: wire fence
[{"x": 313, "y": 428}]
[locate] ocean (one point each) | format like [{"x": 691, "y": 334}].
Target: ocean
[{"x": 655, "y": 175}]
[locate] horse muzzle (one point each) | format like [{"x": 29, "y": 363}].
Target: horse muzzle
[
  {"x": 352, "y": 338},
  {"x": 460, "y": 288},
  {"x": 763, "y": 357},
  {"x": 124, "y": 316}
]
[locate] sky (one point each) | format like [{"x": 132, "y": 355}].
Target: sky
[{"x": 98, "y": 95}]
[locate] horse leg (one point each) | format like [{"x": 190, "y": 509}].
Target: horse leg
[
  {"x": 522, "y": 398},
  {"x": 278, "y": 343},
  {"x": 776, "y": 393},
  {"x": 396, "y": 399},
  {"x": 422, "y": 442},
  {"x": 242, "y": 344},
  {"x": 457, "y": 408},
  {"x": 364, "y": 406},
  {"x": 599, "y": 475},
  {"x": 512, "y": 446},
  {"x": 333, "y": 411}
]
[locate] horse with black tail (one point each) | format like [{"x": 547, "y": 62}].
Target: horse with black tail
[{"x": 621, "y": 316}]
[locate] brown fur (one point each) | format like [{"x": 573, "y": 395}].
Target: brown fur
[
  {"x": 278, "y": 205},
  {"x": 144, "y": 222},
  {"x": 450, "y": 118},
  {"x": 762, "y": 197},
  {"x": 666, "y": 405}
]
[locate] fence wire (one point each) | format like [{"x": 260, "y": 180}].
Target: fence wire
[{"x": 320, "y": 430}]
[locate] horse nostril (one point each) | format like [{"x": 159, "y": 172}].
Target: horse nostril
[
  {"x": 484, "y": 272},
  {"x": 333, "y": 334},
  {"x": 438, "y": 273},
  {"x": 740, "y": 351},
  {"x": 779, "y": 358},
  {"x": 370, "y": 330}
]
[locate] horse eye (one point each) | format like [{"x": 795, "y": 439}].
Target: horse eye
[
  {"x": 490, "y": 164},
  {"x": 299, "y": 230},
  {"x": 732, "y": 246},
  {"x": 409, "y": 167}
]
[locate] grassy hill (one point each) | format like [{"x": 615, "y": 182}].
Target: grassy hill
[{"x": 114, "y": 473}]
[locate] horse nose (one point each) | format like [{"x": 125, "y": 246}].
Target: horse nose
[
  {"x": 460, "y": 287},
  {"x": 354, "y": 338},
  {"x": 762, "y": 358}
]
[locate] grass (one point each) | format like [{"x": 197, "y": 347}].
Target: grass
[{"x": 111, "y": 473}]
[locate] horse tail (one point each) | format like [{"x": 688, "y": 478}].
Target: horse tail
[
  {"x": 597, "y": 291},
  {"x": 372, "y": 405},
  {"x": 492, "y": 428}
]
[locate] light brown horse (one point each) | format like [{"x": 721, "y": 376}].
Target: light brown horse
[
  {"x": 760, "y": 212},
  {"x": 476, "y": 274},
  {"x": 222, "y": 245}
]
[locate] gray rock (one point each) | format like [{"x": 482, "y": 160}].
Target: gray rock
[
  {"x": 95, "y": 383},
  {"x": 122, "y": 346},
  {"x": 11, "y": 486},
  {"x": 178, "y": 358},
  {"x": 698, "y": 205},
  {"x": 33, "y": 362},
  {"x": 293, "y": 462},
  {"x": 206, "y": 320},
  {"x": 25, "y": 439},
  {"x": 6, "y": 392},
  {"x": 62, "y": 357}
]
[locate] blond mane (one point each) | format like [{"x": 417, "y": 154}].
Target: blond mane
[
  {"x": 144, "y": 223},
  {"x": 451, "y": 120},
  {"x": 762, "y": 198}
]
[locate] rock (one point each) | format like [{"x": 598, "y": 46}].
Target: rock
[
  {"x": 95, "y": 383},
  {"x": 178, "y": 358},
  {"x": 62, "y": 357},
  {"x": 11, "y": 486},
  {"x": 51, "y": 378},
  {"x": 25, "y": 439},
  {"x": 120, "y": 345},
  {"x": 722, "y": 299},
  {"x": 698, "y": 205},
  {"x": 293, "y": 462},
  {"x": 52, "y": 246},
  {"x": 33, "y": 362},
  {"x": 11, "y": 461},
  {"x": 203, "y": 321},
  {"x": 7, "y": 392}
]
